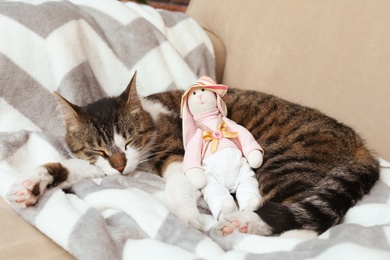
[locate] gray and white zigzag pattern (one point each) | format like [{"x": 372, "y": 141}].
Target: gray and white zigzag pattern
[{"x": 88, "y": 49}]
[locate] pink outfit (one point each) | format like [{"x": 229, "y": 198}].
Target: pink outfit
[
  {"x": 195, "y": 148},
  {"x": 226, "y": 169}
]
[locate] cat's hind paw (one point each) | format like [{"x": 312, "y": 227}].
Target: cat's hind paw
[{"x": 244, "y": 222}]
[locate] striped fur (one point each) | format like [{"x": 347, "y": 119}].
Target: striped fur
[{"x": 314, "y": 168}]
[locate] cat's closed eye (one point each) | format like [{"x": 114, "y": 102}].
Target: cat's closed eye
[{"x": 101, "y": 153}]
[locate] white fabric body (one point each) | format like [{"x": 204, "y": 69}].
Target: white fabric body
[{"x": 227, "y": 171}]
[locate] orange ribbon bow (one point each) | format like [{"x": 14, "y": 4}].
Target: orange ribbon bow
[{"x": 221, "y": 132}]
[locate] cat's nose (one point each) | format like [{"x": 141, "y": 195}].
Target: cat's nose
[{"x": 120, "y": 168}]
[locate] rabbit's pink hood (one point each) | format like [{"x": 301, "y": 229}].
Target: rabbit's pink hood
[{"x": 189, "y": 125}]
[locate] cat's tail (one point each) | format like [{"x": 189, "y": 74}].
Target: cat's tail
[
  {"x": 324, "y": 206},
  {"x": 278, "y": 217}
]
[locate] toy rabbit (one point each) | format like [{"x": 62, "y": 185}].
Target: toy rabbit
[{"x": 219, "y": 153}]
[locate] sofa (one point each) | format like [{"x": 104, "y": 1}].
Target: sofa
[{"x": 331, "y": 55}]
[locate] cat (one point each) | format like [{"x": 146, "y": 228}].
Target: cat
[
  {"x": 314, "y": 168},
  {"x": 113, "y": 134}
]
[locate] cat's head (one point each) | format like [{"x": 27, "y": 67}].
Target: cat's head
[{"x": 112, "y": 133}]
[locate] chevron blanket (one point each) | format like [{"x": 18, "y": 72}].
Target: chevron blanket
[{"x": 86, "y": 50}]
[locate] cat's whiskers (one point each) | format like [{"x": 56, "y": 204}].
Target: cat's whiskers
[
  {"x": 150, "y": 156},
  {"x": 141, "y": 169},
  {"x": 154, "y": 147},
  {"x": 148, "y": 150}
]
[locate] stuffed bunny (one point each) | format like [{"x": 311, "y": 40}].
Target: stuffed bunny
[{"x": 219, "y": 154}]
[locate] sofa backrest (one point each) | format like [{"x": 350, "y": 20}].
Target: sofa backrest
[{"x": 328, "y": 54}]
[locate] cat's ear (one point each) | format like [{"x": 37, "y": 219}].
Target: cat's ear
[
  {"x": 130, "y": 94},
  {"x": 71, "y": 116}
]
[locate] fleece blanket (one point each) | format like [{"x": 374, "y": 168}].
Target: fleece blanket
[{"x": 86, "y": 50}]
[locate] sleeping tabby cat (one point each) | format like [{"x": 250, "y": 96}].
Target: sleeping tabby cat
[{"x": 314, "y": 168}]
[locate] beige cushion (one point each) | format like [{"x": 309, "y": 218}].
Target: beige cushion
[
  {"x": 329, "y": 54},
  {"x": 20, "y": 240}
]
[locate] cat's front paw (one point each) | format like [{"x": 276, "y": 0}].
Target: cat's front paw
[
  {"x": 181, "y": 198},
  {"x": 184, "y": 206},
  {"x": 25, "y": 191},
  {"x": 244, "y": 222},
  {"x": 191, "y": 215}
]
